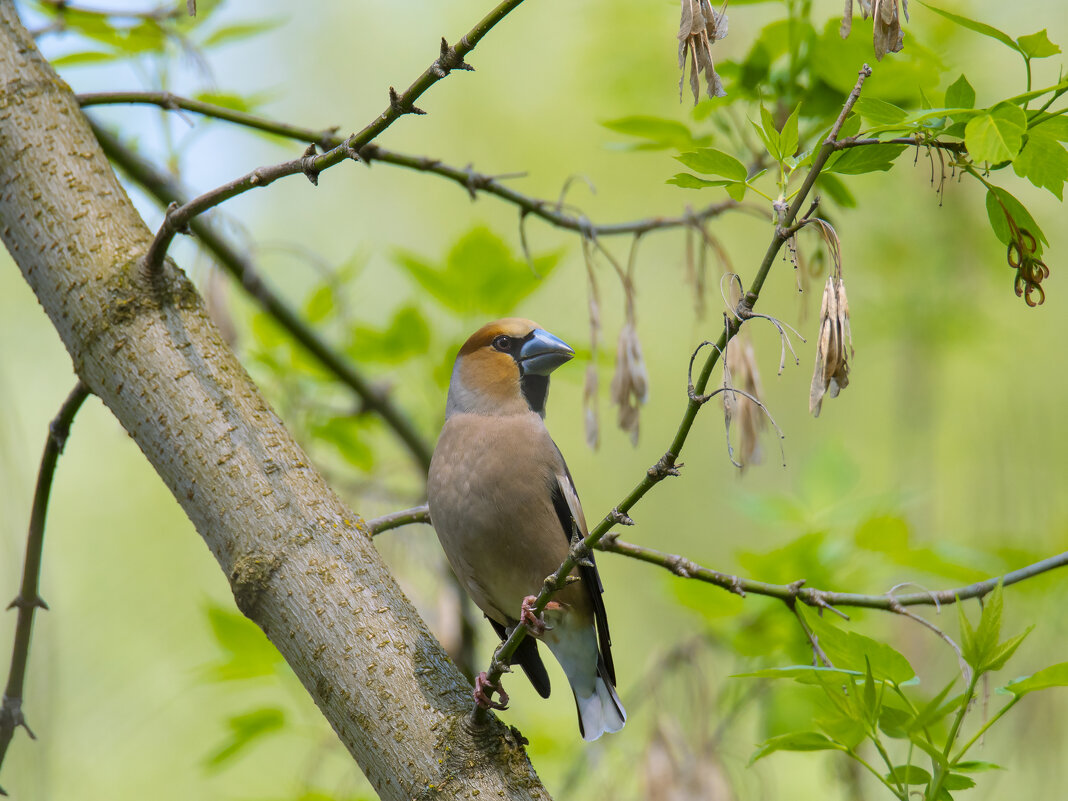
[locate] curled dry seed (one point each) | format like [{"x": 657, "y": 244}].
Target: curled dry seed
[
  {"x": 589, "y": 405},
  {"x": 742, "y": 368},
  {"x": 888, "y": 36},
  {"x": 832, "y": 360},
  {"x": 699, "y": 28},
  {"x": 630, "y": 384}
]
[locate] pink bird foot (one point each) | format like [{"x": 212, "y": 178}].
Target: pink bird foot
[
  {"x": 535, "y": 624},
  {"x": 485, "y": 699}
]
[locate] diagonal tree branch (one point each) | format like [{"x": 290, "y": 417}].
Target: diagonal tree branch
[
  {"x": 666, "y": 466},
  {"x": 450, "y": 58},
  {"x": 29, "y": 597}
]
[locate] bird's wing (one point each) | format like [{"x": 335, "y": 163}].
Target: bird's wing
[
  {"x": 569, "y": 510},
  {"x": 528, "y": 658}
]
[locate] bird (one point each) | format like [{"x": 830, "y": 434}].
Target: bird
[{"x": 505, "y": 510}]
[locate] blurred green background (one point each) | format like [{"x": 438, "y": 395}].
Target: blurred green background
[{"x": 952, "y": 431}]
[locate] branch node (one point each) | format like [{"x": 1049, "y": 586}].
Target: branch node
[
  {"x": 307, "y": 165},
  {"x": 449, "y": 60},
  {"x": 402, "y": 106},
  {"x": 36, "y": 602},
  {"x": 620, "y": 518},
  {"x": 736, "y": 587},
  {"x": 663, "y": 468}
]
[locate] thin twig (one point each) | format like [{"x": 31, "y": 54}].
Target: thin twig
[
  {"x": 417, "y": 514},
  {"x": 326, "y": 138},
  {"x": 472, "y": 181},
  {"x": 450, "y": 58},
  {"x": 810, "y": 596},
  {"x": 29, "y": 598}
]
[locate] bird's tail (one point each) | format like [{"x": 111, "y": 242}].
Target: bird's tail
[{"x": 601, "y": 711}]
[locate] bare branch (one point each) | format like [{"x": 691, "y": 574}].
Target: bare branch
[
  {"x": 399, "y": 104},
  {"x": 474, "y": 182},
  {"x": 796, "y": 591},
  {"x": 29, "y": 599}
]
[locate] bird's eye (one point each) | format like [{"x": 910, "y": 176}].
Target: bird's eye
[{"x": 502, "y": 343}]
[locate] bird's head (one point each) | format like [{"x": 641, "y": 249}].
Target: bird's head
[{"x": 504, "y": 367}]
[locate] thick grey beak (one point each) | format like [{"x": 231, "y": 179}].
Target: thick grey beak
[{"x": 543, "y": 353}]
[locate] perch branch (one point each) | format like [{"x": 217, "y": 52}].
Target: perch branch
[{"x": 795, "y": 591}]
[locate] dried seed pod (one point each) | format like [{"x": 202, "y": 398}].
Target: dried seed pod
[
  {"x": 699, "y": 28},
  {"x": 742, "y": 368},
  {"x": 832, "y": 361},
  {"x": 589, "y": 405},
  {"x": 888, "y": 36},
  {"x": 630, "y": 383}
]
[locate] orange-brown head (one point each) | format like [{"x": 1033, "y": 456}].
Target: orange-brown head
[{"x": 504, "y": 367}]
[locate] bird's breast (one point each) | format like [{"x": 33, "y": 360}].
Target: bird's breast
[{"x": 490, "y": 496}]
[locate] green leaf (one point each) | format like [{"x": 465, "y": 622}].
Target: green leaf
[
  {"x": 934, "y": 711},
  {"x": 406, "y": 336},
  {"x": 226, "y": 100},
  {"x": 988, "y": 632},
  {"x": 736, "y": 190},
  {"x": 1000, "y": 655},
  {"x": 250, "y": 653},
  {"x": 657, "y": 131},
  {"x": 320, "y": 304},
  {"x": 709, "y": 161},
  {"x": 883, "y": 534},
  {"x": 480, "y": 274},
  {"x": 1037, "y": 45},
  {"x": 1053, "y": 676},
  {"x": 960, "y": 94},
  {"x": 796, "y": 741},
  {"x": 997, "y": 135},
  {"x": 238, "y": 31},
  {"x": 908, "y": 774},
  {"x": 1043, "y": 161},
  {"x": 852, "y": 651},
  {"x": 998, "y": 202},
  {"x": 804, "y": 674},
  {"x": 789, "y": 137},
  {"x": 870, "y": 698},
  {"x": 954, "y": 781},
  {"x": 833, "y": 187},
  {"x": 244, "y": 730},
  {"x": 936, "y": 755},
  {"x": 868, "y": 158},
  {"x": 770, "y": 134},
  {"x": 84, "y": 57},
  {"x": 879, "y": 112},
  {"x": 1055, "y": 126},
  {"x": 688, "y": 181},
  {"x": 976, "y": 766},
  {"x": 348, "y": 434},
  {"x": 978, "y": 27},
  {"x": 894, "y": 722}
]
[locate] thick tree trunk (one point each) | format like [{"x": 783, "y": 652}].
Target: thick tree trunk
[{"x": 298, "y": 560}]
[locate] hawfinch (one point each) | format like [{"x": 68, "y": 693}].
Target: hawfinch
[{"x": 505, "y": 508}]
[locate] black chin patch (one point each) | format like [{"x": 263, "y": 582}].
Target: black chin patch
[{"x": 535, "y": 391}]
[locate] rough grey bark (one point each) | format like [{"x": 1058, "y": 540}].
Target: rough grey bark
[{"x": 300, "y": 563}]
